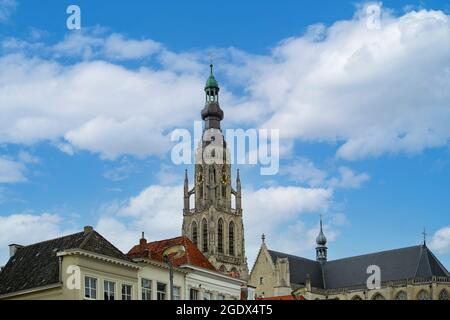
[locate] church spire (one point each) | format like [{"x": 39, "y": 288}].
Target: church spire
[
  {"x": 212, "y": 114},
  {"x": 321, "y": 241}
]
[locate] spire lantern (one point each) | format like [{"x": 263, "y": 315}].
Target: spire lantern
[
  {"x": 212, "y": 114},
  {"x": 212, "y": 87}
]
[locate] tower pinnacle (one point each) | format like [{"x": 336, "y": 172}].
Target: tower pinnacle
[{"x": 321, "y": 241}]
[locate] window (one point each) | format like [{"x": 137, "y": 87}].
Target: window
[
  {"x": 207, "y": 296},
  {"x": 109, "y": 290},
  {"x": 146, "y": 289},
  {"x": 231, "y": 238},
  {"x": 261, "y": 280},
  {"x": 176, "y": 293},
  {"x": 127, "y": 292},
  {"x": 220, "y": 236},
  {"x": 193, "y": 294},
  {"x": 161, "y": 291},
  {"x": 223, "y": 269},
  {"x": 90, "y": 288},
  {"x": 205, "y": 235},
  {"x": 378, "y": 297},
  {"x": 423, "y": 295},
  {"x": 194, "y": 233},
  {"x": 443, "y": 295},
  {"x": 401, "y": 296},
  {"x": 220, "y": 297}
]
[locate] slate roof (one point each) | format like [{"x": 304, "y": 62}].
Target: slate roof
[
  {"x": 398, "y": 264},
  {"x": 300, "y": 267},
  {"x": 37, "y": 265},
  {"x": 154, "y": 250}
]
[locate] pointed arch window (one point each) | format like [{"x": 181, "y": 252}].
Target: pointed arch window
[
  {"x": 220, "y": 236},
  {"x": 205, "y": 235},
  {"x": 194, "y": 233},
  {"x": 231, "y": 238},
  {"x": 401, "y": 296},
  {"x": 423, "y": 295},
  {"x": 378, "y": 296},
  {"x": 443, "y": 295}
]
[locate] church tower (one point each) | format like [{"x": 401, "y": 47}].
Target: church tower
[{"x": 215, "y": 223}]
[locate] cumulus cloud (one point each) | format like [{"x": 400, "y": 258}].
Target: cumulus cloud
[
  {"x": 95, "y": 106},
  {"x": 157, "y": 212},
  {"x": 371, "y": 91},
  {"x": 441, "y": 240},
  {"x": 277, "y": 212},
  {"x": 26, "y": 229}
]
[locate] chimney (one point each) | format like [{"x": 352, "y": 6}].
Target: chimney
[
  {"x": 88, "y": 229},
  {"x": 143, "y": 247},
  {"x": 143, "y": 241},
  {"x": 308, "y": 283},
  {"x": 13, "y": 249}
]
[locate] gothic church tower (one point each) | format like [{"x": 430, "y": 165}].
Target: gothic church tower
[{"x": 215, "y": 223}]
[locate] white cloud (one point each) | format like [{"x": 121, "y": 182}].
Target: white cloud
[
  {"x": 94, "y": 106},
  {"x": 348, "y": 179},
  {"x": 93, "y": 43},
  {"x": 277, "y": 212},
  {"x": 157, "y": 212},
  {"x": 441, "y": 240},
  {"x": 25, "y": 229},
  {"x": 304, "y": 171},
  {"x": 371, "y": 91},
  {"x": 11, "y": 171},
  {"x": 6, "y": 9}
]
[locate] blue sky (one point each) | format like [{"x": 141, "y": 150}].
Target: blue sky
[{"x": 363, "y": 115}]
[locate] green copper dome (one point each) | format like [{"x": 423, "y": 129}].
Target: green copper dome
[{"x": 211, "y": 82}]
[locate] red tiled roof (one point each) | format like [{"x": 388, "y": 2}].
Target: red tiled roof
[
  {"x": 289, "y": 297},
  {"x": 192, "y": 256}
]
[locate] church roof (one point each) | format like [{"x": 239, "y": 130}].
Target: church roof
[
  {"x": 300, "y": 268},
  {"x": 398, "y": 264},
  {"x": 37, "y": 265},
  {"x": 192, "y": 255}
]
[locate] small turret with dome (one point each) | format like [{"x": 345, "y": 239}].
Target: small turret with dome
[{"x": 212, "y": 114}]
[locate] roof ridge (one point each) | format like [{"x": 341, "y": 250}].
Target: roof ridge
[
  {"x": 291, "y": 255},
  {"x": 109, "y": 242},
  {"x": 431, "y": 254},
  {"x": 169, "y": 239}
]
